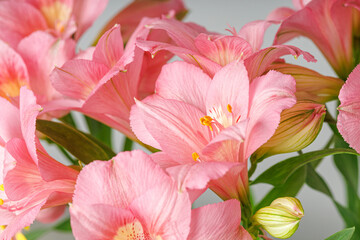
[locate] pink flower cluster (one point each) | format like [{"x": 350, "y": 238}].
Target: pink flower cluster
[{"x": 203, "y": 117}]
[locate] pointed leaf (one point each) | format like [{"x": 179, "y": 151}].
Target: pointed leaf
[
  {"x": 77, "y": 143},
  {"x": 345, "y": 234},
  {"x": 315, "y": 181},
  {"x": 280, "y": 172},
  {"x": 289, "y": 189}
]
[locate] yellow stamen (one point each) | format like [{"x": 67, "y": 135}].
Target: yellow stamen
[
  {"x": 195, "y": 156},
  {"x": 229, "y": 108},
  {"x": 206, "y": 121},
  {"x": 27, "y": 228},
  {"x": 20, "y": 236},
  {"x": 1, "y": 202},
  {"x": 2, "y": 187},
  {"x": 296, "y": 57}
]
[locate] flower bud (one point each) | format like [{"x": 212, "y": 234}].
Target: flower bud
[
  {"x": 311, "y": 85},
  {"x": 281, "y": 219},
  {"x": 298, "y": 127}
]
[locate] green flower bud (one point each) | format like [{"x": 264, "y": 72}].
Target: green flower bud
[
  {"x": 281, "y": 219},
  {"x": 299, "y": 126},
  {"x": 311, "y": 85}
]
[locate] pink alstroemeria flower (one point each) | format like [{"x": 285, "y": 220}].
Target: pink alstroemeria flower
[
  {"x": 211, "y": 51},
  {"x": 203, "y": 125},
  {"x": 131, "y": 197},
  {"x": 31, "y": 67},
  {"x": 30, "y": 179},
  {"x": 349, "y": 110},
  {"x": 62, "y": 18},
  {"x": 108, "y": 84},
  {"x": 331, "y": 24}
]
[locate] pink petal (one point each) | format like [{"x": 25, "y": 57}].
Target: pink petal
[
  {"x": 218, "y": 221},
  {"x": 183, "y": 82},
  {"x": 130, "y": 16},
  {"x": 254, "y": 32},
  {"x": 46, "y": 53},
  {"x": 13, "y": 72},
  {"x": 164, "y": 210},
  {"x": 196, "y": 176},
  {"x": 10, "y": 123},
  {"x": 175, "y": 126},
  {"x": 230, "y": 86},
  {"x": 125, "y": 177},
  {"x": 24, "y": 178},
  {"x": 49, "y": 215},
  {"x": 109, "y": 48},
  {"x": 348, "y": 118},
  {"x": 280, "y": 14},
  {"x": 257, "y": 63},
  {"x": 318, "y": 20},
  {"x": 222, "y": 49},
  {"x": 24, "y": 219},
  {"x": 181, "y": 33},
  {"x": 85, "y": 13},
  {"x": 29, "y": 111},
  {"x": 77, "y": 78},
  {"x": 98, "y": 221},
  {"x": 18, "y": 20},
  {"x": 269, "y": 95}
]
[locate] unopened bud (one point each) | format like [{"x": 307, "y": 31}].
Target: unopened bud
[
  {"x": 281, "y": 219},
  {"x": 298, "y": 127},
  {"x": 311, "y": 85}
]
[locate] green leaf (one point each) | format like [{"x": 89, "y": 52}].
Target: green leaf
[
  {"x": 348, "y": 167},
  {"x": 77, "y": 143},
  {"x": 280, "y": 172},
  {"x": 68, "y": 119},
  {"x": 36, "y": 233},
  {"x": 289, "y": 189},
  {"x": 63, "y": 226},
  {"x": 345, "y": 234},
  {"x": 315, "y": 181},
  {"x": 99, "y": 130}
]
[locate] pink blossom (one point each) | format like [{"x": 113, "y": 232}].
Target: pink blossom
[
  {"x": 61, "y": 18},
  {"x": 318, "y": 20},
  {"x": 132, "y": 197},
  {"x": 107, "y": 84},
  {"x": 211, "y": 51},
  {"x": 348, "y": 119},
  {"x": 31, "y": 179},
  {"x": 200, "y": 123}
]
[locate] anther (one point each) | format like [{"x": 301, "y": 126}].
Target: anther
[{"x": 195, "y": 156}]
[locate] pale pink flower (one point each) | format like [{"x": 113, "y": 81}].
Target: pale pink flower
[
  {"x": 211, "y": 51},
  {"x": 318, "y": 20},
  {"x": 349, "y": 110},
  {"x": 31, "y": 66},
  {"x": 30, "y": 180},
  {"x": 131, "y": 197},
  {"x": 61, "y": 18},
  {"x": 205, "y": 126},
  {"x": 108, "y": 84}
]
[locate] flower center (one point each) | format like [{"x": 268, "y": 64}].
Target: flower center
[
  {"x": 11, "y": 88},
  {"x": 57, "y": 15},
  {"x": 133, "y": 231},
  {"x": 219, "y": 118}
]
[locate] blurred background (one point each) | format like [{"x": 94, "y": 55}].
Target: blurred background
[{"x": 321, "y": 219}]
